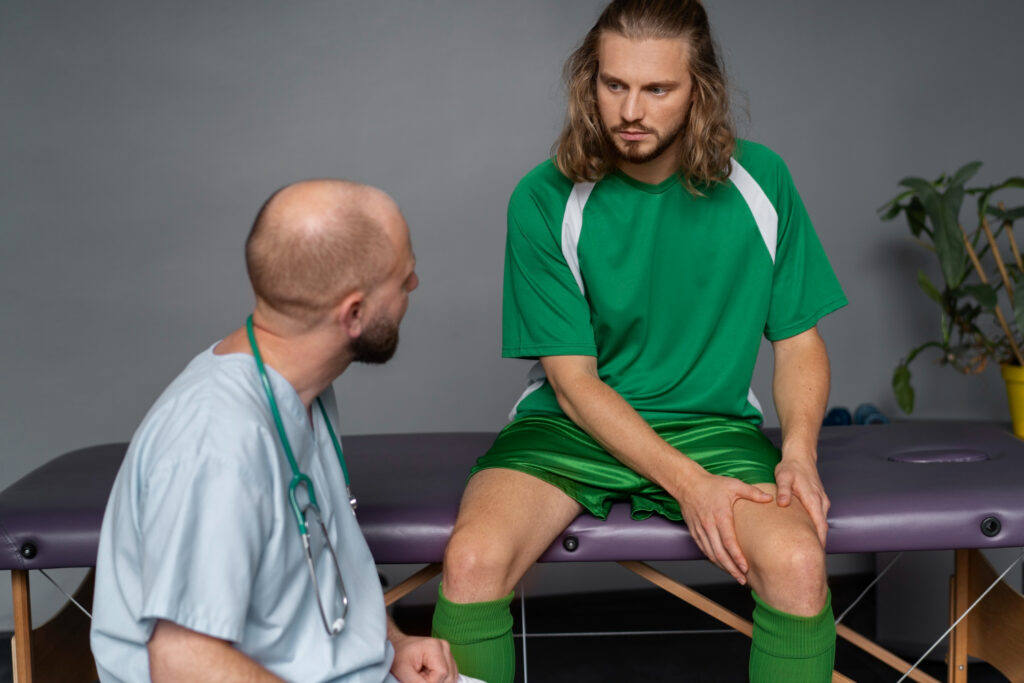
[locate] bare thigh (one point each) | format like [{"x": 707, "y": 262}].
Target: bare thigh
[
  {"x": 506, "y": 520},
  {"x": 787, "y": 561}
]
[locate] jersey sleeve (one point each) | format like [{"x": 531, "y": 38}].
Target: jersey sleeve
[
  {"x": 804, "y": 286},
  {"x": 203, "y": 523},
  {"x": 544, "y": 313}
]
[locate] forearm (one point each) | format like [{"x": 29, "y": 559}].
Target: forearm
[
  {"x": 609, "y": 419},
  {"x": 801, "y": 388},
  {"x": 395, "y": 634},
  {"x": 179, "y": 654}
]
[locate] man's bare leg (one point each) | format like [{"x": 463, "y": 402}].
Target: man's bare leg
[
  {"x": 506, "y": 520},
  {"x": 794, "y": 633}
]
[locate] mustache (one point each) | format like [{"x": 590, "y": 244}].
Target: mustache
[{"x": 633, "y": 128}]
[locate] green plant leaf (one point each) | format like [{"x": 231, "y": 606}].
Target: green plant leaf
[
  {"x": 953, "y": 199},
  {"x": 949, "y": 244},
  {"x": 928, "y": 288},
  {"x": 985, "y": 295},
  {"x": 954, "y": 194},
  {"x": 986, "y": 195},
  {"x": 892, "y": 204},
  {"x": 916, "y": 218},
  {"x": 902, "y": 389},
  {"x": 946, "y": 236},
  {"x": 1006, "y": 215},
  {"x": 919, "y": 186},
  {"x": 893, "y": 211},
  {"x": 964, "y": 173}
]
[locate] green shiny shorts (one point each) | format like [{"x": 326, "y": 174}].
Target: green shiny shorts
[{"x": 554, "y": 449}]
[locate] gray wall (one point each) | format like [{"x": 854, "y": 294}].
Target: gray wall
[{"x": 138, "y": 139}]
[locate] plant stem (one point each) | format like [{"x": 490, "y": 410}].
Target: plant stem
[
  {"x": 913, "y": 354},
  {"x": 999, "y": 311}
]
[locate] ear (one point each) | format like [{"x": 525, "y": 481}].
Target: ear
[{"x": 350, "y": 313}]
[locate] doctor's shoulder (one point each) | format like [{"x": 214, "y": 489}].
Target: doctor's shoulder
[{"x": 205, "y": 418}]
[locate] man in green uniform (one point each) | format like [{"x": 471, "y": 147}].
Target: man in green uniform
[{"x": 643, "y": 265}]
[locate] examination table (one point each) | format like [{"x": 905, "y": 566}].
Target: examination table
[{"x": 904, "y": 486}]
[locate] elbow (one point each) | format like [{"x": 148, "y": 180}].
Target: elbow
[
  {"x": 561, "y": 395},
  {"x": 571, "y": 392},
  {"x": 565, "y": 404},
  {"x": 571, "y": 380}
]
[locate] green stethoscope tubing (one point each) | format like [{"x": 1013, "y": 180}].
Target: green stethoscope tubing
[{"x": 298, "y": 478}]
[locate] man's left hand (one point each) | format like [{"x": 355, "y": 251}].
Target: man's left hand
[
  {"x": 423, "y": 659},
  {"x": 798, "y": 476}
]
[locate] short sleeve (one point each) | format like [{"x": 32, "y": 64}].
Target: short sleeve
[
  {"x": 203, "y": 524},
  {"x": 804, "y": 286},
  {"x": 544, "y": 313}
]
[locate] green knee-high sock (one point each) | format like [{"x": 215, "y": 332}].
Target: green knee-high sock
[
  {"x": 787, "y": 647},
  {"x": 480, "y": 635}
]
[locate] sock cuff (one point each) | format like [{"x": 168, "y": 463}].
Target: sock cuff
[
  {"x": 472, "y": 622},
  {"x": 781, "y": 634}
]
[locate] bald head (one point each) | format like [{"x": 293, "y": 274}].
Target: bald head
[{"x": 316, "y": 241}]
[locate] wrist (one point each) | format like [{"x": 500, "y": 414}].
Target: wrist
[
  {"x": 802, "y": 452},
  {"x": 395, "y": 635},
  {"x": 800, "y": 443},
  {"x": 685, "y": 478}
]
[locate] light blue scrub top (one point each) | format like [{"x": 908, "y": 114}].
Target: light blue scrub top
[{"x": 198, "y": 531}]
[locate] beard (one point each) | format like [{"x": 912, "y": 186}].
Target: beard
[
  {"x": 630, "y": 151},
  {"x": 377, "y": 343}
]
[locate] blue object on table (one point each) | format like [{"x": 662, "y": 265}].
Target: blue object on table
[
  {"x": 838, "y": 416},
  {"x": 868, "y": 414}
]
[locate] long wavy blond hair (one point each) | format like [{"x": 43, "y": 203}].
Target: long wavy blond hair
[{"x": 583, "y": 151}]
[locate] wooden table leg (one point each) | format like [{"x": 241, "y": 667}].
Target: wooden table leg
[
  {"x": 994, "y": 630},
  {"x": 21, "y": 644},
  {"x": 60, "y": 647},
  {"x": 412, "y": 583}
]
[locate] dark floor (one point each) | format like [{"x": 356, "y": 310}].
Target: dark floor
[
  {"x": 690, "y": 657},
  {"x": 653, "y": 658}
]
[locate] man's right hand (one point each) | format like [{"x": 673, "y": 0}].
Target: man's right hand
[
  {"x": 426, "y": 660},
  {"x": 706, "y": 502}
]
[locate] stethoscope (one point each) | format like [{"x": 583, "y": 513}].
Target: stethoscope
[{"x": 300, "y": 479}]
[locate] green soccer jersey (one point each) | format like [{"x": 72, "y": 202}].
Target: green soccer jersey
[{"x": 670, "y": 292}]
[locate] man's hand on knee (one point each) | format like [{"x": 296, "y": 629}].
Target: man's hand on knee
[
  {"x": 707, "y": 507},
  {"x": 799, "y": 477}
]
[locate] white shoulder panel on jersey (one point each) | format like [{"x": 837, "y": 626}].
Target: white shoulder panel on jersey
[
  {"x": 761, "y": 207},
  {"x": 535, "y": 379},
  {"x": 752, "y": 400},
  {"x": 572, "y": 226}
]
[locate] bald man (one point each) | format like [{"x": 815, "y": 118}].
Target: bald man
[{"x": 202, "y": 572}]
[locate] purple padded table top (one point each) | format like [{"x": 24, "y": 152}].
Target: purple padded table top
[{"x": 907, "y": 486}]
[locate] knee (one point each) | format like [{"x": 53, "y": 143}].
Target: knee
[
  {"x": 475, "y": 569},
  {"x": 793, "y": 579}
]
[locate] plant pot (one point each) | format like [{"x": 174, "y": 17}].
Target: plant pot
[{"x": 1013, "y": 375}]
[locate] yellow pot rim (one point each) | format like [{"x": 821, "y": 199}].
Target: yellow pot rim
[{"x": 1012, "y": 373}]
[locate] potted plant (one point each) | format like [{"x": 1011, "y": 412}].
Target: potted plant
[{"x": 981, "y": 296}]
